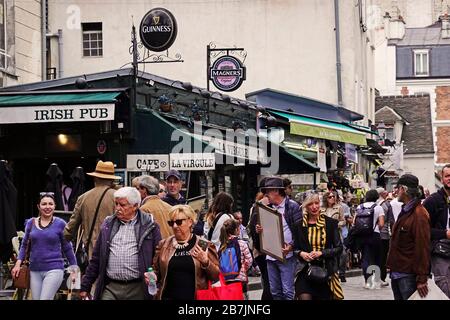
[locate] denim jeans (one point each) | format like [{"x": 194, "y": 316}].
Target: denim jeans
[
  {"x": 281, "y": 278},
  {"x": 45, "y": 284},
  {"x": 404, "y": 287}
]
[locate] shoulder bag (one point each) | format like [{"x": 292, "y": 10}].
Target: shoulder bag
[
  {"x": 442, "y": 248},
  {"x": 23, "y": 279}
]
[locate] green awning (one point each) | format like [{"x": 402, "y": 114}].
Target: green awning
[
  {"x": 322, "y": 129},
  {"x": 57, "y": 98},
  {"x": 300, "y": 158}
]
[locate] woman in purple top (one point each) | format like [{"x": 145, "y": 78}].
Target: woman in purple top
[{"x": 46, "y": 251}]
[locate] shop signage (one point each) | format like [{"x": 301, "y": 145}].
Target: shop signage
[
  {"x": 234, "y": 149},
  {"x": 57, "y": 113},
  {"x": 148, "y": 162},
  {"x": 351, "y": 153},
  {"x": 227, "y": 73},
  {"x": 101, "y": 146},
  {"x": 158, "y": 29},
  {"x": 192, "y": 161},
  {"x": 321, "y": 156}
]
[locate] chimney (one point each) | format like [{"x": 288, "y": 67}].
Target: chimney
[
  {"x": 445, "y": 26},
  {"x": 396, "y": 25}
]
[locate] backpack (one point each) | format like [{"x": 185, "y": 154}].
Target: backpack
[
  {"x": 364, "y": 221},
  {"x": 230, "y": 260}
]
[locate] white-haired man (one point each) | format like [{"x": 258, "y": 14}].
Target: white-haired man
[{"x": 123, "y": 252}]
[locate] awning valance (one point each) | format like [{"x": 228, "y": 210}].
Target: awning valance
[
  {"x": 322, "y": 129},
  {"x": 57, "y": 107},
  {"x": 58, "y": 98}
]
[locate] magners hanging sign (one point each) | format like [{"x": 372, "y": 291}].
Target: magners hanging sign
[
  {"x": 227, "y": 73},
  {"x": 158, "y": 29}
]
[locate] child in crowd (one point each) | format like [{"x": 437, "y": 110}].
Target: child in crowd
[{"x": 234, "y": 255}]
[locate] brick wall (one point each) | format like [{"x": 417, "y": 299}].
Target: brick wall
[
  {"x": 443, "y": 144},
  {"x": 443, "y": 103}
]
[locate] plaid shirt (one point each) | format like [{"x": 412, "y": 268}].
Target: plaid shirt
[{"x": 123, "y": 257}]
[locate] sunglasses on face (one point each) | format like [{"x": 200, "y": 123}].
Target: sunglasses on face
[
  {"x": 47, "y": 194},
  {"x": 331, "y": 197},
  {"x": 179, "y": 222},
  {"x": 162, "y": 190}
]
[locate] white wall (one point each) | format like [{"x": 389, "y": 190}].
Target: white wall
[
  {"x": 422, "y": 168},
  {"x": 290, "y": 43},
  {"x": 28, "y": 40}
]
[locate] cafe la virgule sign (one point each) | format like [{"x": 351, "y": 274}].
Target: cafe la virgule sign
[{"x": 158, "y": 29}]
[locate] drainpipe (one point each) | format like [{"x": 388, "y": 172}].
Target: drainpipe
[
  {"x": 338, "y": 52},
  {"x": 60, "y": 54},
  {"x": 43, "y": 41},
  {"x": 60, "y": 51}
]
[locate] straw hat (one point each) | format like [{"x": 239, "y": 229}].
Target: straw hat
[{"x": 104, "y": 170}]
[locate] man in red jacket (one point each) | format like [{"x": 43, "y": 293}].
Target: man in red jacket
[{"x": 409, "y": 255}]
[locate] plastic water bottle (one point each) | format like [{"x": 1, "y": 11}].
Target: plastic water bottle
[{"x": 152, "y": 288}]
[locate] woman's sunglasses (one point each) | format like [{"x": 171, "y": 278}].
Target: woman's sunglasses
[
  {"x": 47, "y": 194},
  {"x": 179, "y": 222}
]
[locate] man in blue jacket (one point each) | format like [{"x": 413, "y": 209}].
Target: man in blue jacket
[
  {"x": 281, "y": 274},
  {"x": 123, "y": 252}
]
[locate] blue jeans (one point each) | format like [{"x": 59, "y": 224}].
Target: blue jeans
[
  {"x": 404, "y": 287},
  {"x": 45, "y": 284},
  {"x": 281, "y": 278}
]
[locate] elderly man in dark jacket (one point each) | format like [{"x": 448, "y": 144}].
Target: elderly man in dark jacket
[
  {"x": 123, "y": 252},
  {"x": 438, "y": 206},
  {"x": 281, "y": 274},
  {"x": 409, "y": 254}
]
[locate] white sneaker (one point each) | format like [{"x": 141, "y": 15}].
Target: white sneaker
[
  {"x": 384, "y": 283},
  {"x": 367, "y": 286}
]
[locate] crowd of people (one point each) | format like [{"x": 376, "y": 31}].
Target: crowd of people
[{"x": 128, "y": 230}]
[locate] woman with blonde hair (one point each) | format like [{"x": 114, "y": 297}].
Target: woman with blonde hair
[
  {"x": 183, "y": 263},
  {"x": 317, "y": 243}
]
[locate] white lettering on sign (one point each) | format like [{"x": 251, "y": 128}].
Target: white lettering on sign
[
  {"x": 192, "y": 161},
  {"x": 60, "y": 113},
  {"x": 148, "y": 162}
]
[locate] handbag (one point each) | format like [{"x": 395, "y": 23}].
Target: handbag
[
  {"x": 81, "y": 253},
  {"x": 232, "y": 291},
  {"x": 316, "y": 273},
  {"x": 23, "y": 279},
  {"x": 442, "y": 248}
]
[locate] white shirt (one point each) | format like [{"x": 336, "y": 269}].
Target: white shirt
[
  {"x": 396, "y": 207},
  {"x": 377, "y": 212}
]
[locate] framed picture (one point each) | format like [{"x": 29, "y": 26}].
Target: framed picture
[
  {"x": 122, "y": 173},
  {"x": 272, "y": 237}
]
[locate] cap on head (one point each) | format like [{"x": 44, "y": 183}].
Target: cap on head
[
  {"x": 104, "y": 170},
  {"x": 173, "y": 173},
  {"x": 380, "y": 190},
  {"x": 408, "y": 180},
  {"x": 272, "y": 183}
]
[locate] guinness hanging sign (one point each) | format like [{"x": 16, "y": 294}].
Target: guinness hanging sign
[
  {"x": 227, "y": 73},
  {"x": 158, "y": 29}
]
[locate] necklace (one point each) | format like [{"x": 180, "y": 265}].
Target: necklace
[
  {"x": 181, "y": 244},
  {"x": 41, "y": 226}
]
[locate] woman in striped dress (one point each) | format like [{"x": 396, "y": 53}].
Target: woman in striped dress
[{"x": 317, "y": 242}]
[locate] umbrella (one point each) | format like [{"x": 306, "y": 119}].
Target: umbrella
[
  {"x": 54, "y": 184},
  {"x": 78, "y": 178},
  {"x": 8, "y": 202}
]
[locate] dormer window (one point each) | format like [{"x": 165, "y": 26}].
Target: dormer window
[{"x": 421, "y": 63}]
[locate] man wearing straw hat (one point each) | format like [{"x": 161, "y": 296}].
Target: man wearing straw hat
[{"x": 84, "y": 213}]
